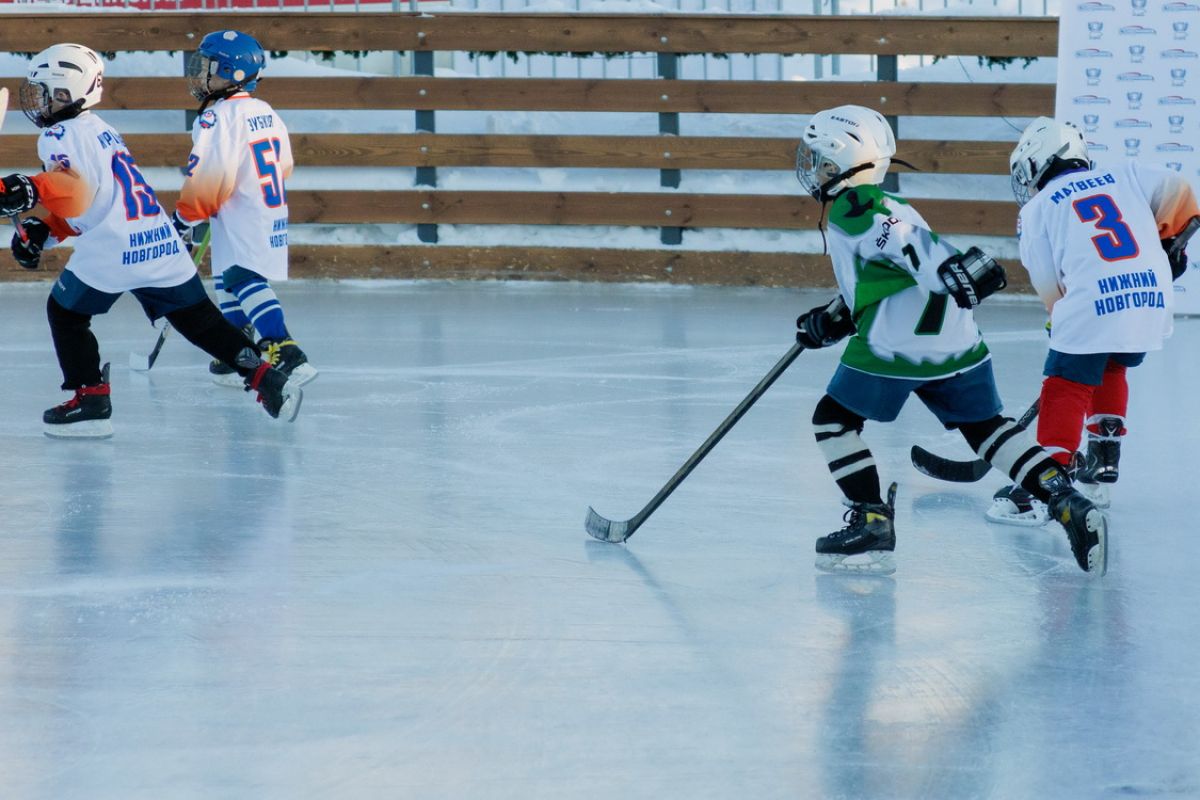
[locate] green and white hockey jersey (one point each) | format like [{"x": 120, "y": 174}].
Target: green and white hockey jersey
[{"x": 885, "y": 259}]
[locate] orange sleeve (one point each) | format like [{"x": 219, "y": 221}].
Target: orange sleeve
[
  {"x": 59, "y": 228},
  {"x": 1174, "y": 203},
  {"x": 63, "y": 192}
]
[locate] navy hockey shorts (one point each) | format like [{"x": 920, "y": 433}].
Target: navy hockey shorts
[
  {"x": 1086, "y": 368},
  {"x": 75, "y": 295},
  {"x": 969, "y": 396}
]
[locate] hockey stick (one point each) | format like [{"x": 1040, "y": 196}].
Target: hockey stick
[
  {"x": 142, "y": 362},
  {"x": 607, "y": 530},
  {"x": 944, "y": 469}
]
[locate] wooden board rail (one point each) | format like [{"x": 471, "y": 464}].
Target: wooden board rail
[
  {"x": 554, "y": 152},
  {"x": 545, "y": 94},
  {"x": 665, "y": 33}
]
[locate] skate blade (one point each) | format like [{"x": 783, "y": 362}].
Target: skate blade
[
  {"x": 291, "y": 406},
  {"x": 232, "y": 380},
  {"x": 879, "y": 562},
  {"x": 88, "y": 429},
  {"x": 303, "y": 374},
  {"x": 1034, "y": 518},
  {"x": 1097, "y": 556}
]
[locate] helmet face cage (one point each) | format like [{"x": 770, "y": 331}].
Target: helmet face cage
[
  {"x": 199, "y": 68},
  {"x": 814, "y": 170},
  {"x": 35, "y": 102}
]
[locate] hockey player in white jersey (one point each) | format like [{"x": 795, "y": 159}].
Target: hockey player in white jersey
[
  {"x": 1090, "y": 239},
  {"x": 909, "y": 297},
  {"x": 235, "y": 178},
  {"x": 124, "y": 242}
]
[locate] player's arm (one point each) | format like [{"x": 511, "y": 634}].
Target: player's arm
[
  {"x": 1176, "y": 213},
  {"x": 210, "y": 175},
  {"x": 938, "y": 267},
  {"x": 1038, "y": 260}
]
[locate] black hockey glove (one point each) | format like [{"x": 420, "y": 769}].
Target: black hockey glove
[
  {"x": 971, "y": 276},
  {"x": 184, "y": 230},
  {"x": 824, "y": 325},
  {"x": 28, "y": 251},
  {"x": 1176, "y": 248},
  {"x": 17, "y": 194}
]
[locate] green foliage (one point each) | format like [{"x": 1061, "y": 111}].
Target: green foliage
[{"x": 1002, "y": 62}]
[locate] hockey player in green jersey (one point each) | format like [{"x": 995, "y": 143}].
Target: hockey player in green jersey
[{"x": 909, "y": 297}]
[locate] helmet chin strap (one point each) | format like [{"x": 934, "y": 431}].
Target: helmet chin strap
[{"x": 822, "y": 192}]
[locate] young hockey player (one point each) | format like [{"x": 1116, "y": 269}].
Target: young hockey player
[
  {"x": 909, "y": 297},
  {"x": 241, "y": 156},
  {"x": 124, "y": 242},
  {"x": 1089, "y": 239}
]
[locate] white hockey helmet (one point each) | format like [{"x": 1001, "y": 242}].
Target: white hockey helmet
[
  {"x": 1045, "y": 145},
  {"x": 843, "y": 147},
  {"x": 63, "y": 80}
]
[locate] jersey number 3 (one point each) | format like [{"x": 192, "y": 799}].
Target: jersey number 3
[
  {"x": 140, "y": 200},
  {"x": 266, "y": 160},
  {"x": 1116, "y": 243}
]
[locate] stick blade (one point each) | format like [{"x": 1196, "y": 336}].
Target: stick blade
[
  {"x": 139, "y": 362},
  {"x": 945, "y": 469},
  {"x": 604, "y": 529}
]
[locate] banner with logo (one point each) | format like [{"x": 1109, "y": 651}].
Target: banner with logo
[{"x": 1129, "y": 76}]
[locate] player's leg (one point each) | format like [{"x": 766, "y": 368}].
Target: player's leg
[
  {"x": 69, "y": 310},
  {"x": 969, "y": 401},
  {"x": 222, "y": 374},
  {"x": 261, "y": 306},
  {"x": 1105, "y": 427},
  {"x": 189, "y": 310},
  {"x": 868, "y": 540}
]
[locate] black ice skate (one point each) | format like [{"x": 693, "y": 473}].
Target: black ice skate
[
  {"x": 87, "y": 415},
  {"x": 279, "y": 397},
  {"x": 1100, "y": 466},
  {"x": 869, "y": 532},
  {"x": 224, "y": 375},
  {"x": 1012, "y": 505},
  {"x": 287, "y": 357},
  {"x": 1085, "y": 524}
]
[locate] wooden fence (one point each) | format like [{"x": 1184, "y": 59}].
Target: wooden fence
[{"x": 669, "y": 210}]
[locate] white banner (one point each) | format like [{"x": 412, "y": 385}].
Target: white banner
[{"x": 1129, "y": 76}]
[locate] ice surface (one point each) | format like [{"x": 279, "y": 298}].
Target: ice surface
[{"x": 395, "y": 597}]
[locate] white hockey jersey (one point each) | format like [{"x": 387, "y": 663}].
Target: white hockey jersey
[
  {"x": 241, "y": 157},
  {"x": 125, "y": 239},
  {"x": 885, "y": 259},
  {"x": 1090, "y": 242}
]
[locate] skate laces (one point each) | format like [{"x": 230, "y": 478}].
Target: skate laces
[{"x": 274, "y": 350}]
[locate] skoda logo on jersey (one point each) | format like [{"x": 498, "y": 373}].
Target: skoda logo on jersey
[
  {"x": 56, "y": 131},
  {"x": 1176, "y": 100},
  {"x": 1094, "y": 6},
  {"x": 1093, "y": 52},
  {"x": 1135, "y": 76},
  {"x": 1138, "y": 30},
  {"x": 1090, "y": 100},
  {"x": 1132, "y": 122},
  {"x": 1174, "y": 147},
  {"x": 208, "y": 119}
]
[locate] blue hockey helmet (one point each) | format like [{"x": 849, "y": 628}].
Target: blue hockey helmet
[{"x": 232, "y": 56}]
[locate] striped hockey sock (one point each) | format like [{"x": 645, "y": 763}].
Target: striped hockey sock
[
  {"x": 230, "y": 308},
  {"x": 258, "y": 301}
]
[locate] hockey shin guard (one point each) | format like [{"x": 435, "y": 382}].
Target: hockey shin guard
[
  {"x": 259, "y": 302},
  {"x": 1111, "y": 398},
  {"x": 1065, "y": 404},
  {"x": 230, "y": 308},
  {"x": 75, "y": 344},
  {"x": 838, "y": 432}
]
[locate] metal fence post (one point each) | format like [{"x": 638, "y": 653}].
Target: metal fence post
[
  {"x": 426, "y": 176},
  {"x": 887, "y": 70},
  {"x": 668, "y": 125}
]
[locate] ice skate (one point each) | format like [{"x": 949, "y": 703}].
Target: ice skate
[
  {"x": 869, "y": 538},
  {"x": 1012, "y": 505},
  {"x": 87, "y": 415},
  {"x": 1099, "y": 469},
  {"x": 279, "y": 396},
  {"x": 287, "y": 357},
  {"x": 225, "y": 375},
  {"x": 1086, "y": 527}
]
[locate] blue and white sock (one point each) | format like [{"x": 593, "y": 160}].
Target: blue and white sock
[
  {"x": 258, "y": 302},
  {"x": 230, "y": 307}
]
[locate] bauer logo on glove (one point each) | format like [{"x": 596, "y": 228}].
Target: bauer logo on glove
[{"x": 971, "y": 276}]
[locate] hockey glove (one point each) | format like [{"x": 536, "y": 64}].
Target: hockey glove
[
  {"x": 28, "y": 251},
  {"x": 17, "y": 194},
  {"x": 824, "y": 325},
  {"x": 184, "y": 229},
  {"x": 1176, "y": 248},
  {"x": 971, "y": 276}
]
